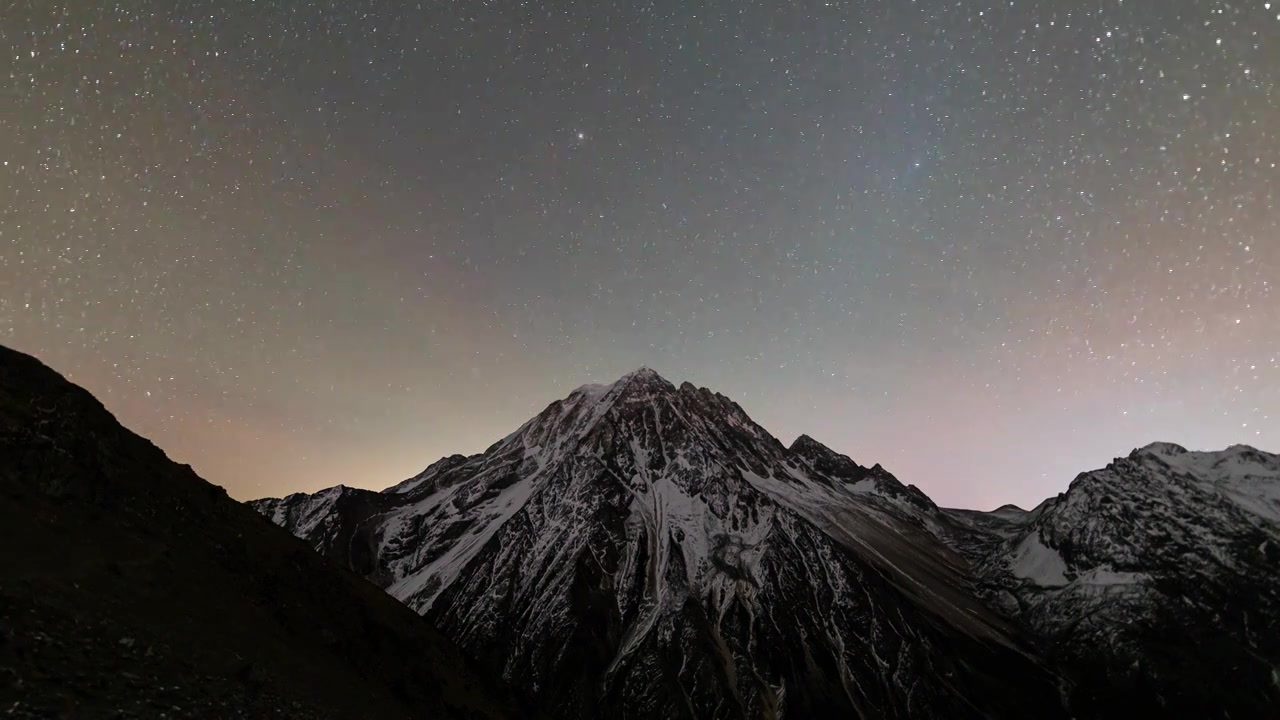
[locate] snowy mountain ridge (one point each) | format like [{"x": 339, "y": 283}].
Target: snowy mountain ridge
[
  {"x": 1164, "y": 563},
  {"x": 639, "y": 549}
]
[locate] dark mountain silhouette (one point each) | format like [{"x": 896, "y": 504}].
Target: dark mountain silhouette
[{"x": 129, "y": 587}]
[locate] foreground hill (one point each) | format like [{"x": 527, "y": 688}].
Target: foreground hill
[{"x": 129, "y": 587}]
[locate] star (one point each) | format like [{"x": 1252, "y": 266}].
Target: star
[{"x": 927, "y": 233}]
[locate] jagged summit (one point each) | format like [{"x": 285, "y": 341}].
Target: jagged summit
[
  {"x": 130, "y": 587},
  {"x": 642, "y": 375},
  {"x": 807, "y": 450},
  {"x": 1162, "y": 448},
  {"x": 1234, "y": 460},
  {"x": 803, "y": 442},
  {"x": 1167, "y": 450}
]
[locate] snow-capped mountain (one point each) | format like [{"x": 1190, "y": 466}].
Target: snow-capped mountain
[
  {"x": 1155, "y": 581},
  {"x": 642, "y": 550}
]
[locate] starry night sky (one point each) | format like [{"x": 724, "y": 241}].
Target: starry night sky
[{"x": 989, "y": 245}]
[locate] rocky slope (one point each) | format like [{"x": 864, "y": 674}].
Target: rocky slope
[
  {"x": 129, "y": 587},
  {"x": 639, "y": 550}
]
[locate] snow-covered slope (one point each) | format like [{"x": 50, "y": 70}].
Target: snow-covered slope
[
  {"x": 642, "y": 550},
  {"x": 1155, "y": 581}
]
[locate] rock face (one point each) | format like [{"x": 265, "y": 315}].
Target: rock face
[
  {"x": 639, "y": 550},
  {"x": 131, "y": 588},
  {"x": 1154, "y": 582}
]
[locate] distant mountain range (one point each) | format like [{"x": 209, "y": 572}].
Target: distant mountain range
[{"x": 641, "y": 550}]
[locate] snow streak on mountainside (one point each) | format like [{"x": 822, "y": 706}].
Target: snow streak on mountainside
[{"x": 641, "y": 550}]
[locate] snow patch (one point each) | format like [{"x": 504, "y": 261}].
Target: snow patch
[{"x": 1039, "y": 563}]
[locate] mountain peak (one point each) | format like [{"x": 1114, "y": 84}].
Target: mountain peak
[
  {"x": 802, "y": 440},
  {"x": 805, "y": 444},
  {"x": 1178, "y": 456},
  {"x": 643, "y": 372},
  {"x": 1166, "y": 449},
  {"x": 641, "y": 376}
]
